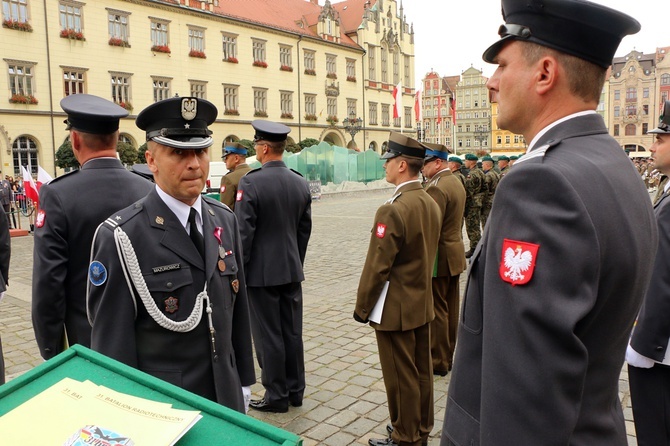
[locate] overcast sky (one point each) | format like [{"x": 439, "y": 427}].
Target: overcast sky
[{"x": 443, "y": 29}]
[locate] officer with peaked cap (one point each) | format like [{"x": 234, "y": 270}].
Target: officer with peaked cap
[
  {"x": 647, "y": 354},
  {"x": 235, "y": 157},
  {"x": 565, "y": 258},
  {"x": 449, "y": 194},
  {"x": 71, "y": 207},
  {"x": 399, "y": 265},
  {"x": 166, "y": 288},
  {"x": 274, "y": 210}
]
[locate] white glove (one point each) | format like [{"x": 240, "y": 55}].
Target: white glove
[
  {"x": 2, "y": 295},
  {"x": 637, "y": 360},
  {"x": 246, "y": 393}
]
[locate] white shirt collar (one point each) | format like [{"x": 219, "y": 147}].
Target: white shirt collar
[
  {"x": 402, "y": 184},
  {"x": 555, "y": 123},
  {"x": 180, "y": 209}
]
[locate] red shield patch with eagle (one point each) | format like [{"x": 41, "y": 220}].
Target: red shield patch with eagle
[{"x": 518, "y": 261}]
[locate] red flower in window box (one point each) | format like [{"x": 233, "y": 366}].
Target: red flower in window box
[
  {"x": 231, "y": 112},
  {"x": 117, "y": 41},
  {"x": 15, "y": 24},
  {"x": 287, "y": 115},
  {"x": 260, "y": 114},
  {"x": 260, "y": 63},
  {"x": 310, "y": 71},
  {"x": 332, "y": 120},
  {"x": 351, "y": 78},
  {"x": 127, "y": 105},
  {"x": 23, "y": 99},
  {"x": 231, "y": 59},
  {"x": 286, "y": 68},
  {"x": 161, "y": 49},
  {"x": 309, "y": 117},
  {"x": 331, "y": 76},
  {"x": 72, "y": 34},
  {"x": 196, "y": 53}
]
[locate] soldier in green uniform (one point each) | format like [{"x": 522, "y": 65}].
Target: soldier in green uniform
[
  {"x": 475, "y": 187},
  {"x": 491, "y": 179},
  {"x": 503, "y": 164},
  {"x": 455, "y": 164},
  {"x": 235, "y": 157}
]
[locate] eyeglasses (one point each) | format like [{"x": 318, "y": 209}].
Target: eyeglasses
[{"x": 519, "y": 31}]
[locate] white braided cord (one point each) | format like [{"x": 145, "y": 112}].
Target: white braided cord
[{"x": 130, "y": 259}]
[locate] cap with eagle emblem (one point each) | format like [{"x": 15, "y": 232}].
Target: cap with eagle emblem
[{"x": 179, "y": 122}]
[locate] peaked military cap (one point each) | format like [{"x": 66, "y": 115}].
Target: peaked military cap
[
  {"x": 234, "y": 147},
  {"x": 664, "y": 121},
  {"x": 456, "y": 159},
  {"x": 578, "y": 27},
  {"x": 270, "y": 131},
  {"x": 437, "y": 151},
  {"x": 179, "y": 122},
  {"x": 471, "y": 157},
  {"x": 92, "y": 114},
  {"x": 399, "y": 144}
]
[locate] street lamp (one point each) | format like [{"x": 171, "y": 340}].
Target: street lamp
[
  {"x": 352, "y": 125},
  {"x": 481, "y": 134}
]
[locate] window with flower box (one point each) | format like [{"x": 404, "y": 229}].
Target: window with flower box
[
  {"x": 310, "y": 64},
  {"x": 159, "y": 36},
  {"x": 331, "y": 66},
  {"x": 351, "y": 70},
  {"x": 161, "y": 87},
  {"x": 384, "y": 57},
  {"x": 372, "y": 113},
  {"x": 408, "y": 117},
  {"x": 372, "y": 63},
  {"x": 120, "y": 83},
  {"x": 408, "y": 78},
  {"x": 196, "y": 42},
  {"x": 331, "y": 107},
  {"x": 21, "y": 81},
  {"x": 230, "y": 99},
  {"x": 74, "y": 81},
  {"x": 117, "y": 28},
  {"x": 385, "y": 115},
  {"x": 310, "y": 107},
  {"x": 70, "y": 14},
  {"x": 198, "y": 89},
  {"x": 285, "y": 59},
  {"x": 15, "y": 15},
  {"x": 258, "y": 52},
  {"x": 261, "y": 102},
  {"x": 229, "y": 47},
  {"x": 286, "y": 100},
  {"x": 351, "y": 107}
]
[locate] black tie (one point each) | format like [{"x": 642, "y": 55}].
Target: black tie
[{"x": 196, "y": 236}]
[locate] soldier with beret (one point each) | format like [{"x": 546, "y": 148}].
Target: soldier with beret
[
  {"x": 396, "y": 278},
  {"x": 647, "y": 354},
  {"x": 555, "y": 284},
  {"x": 274, "y": 208},
  {"x": 512, "y": 160},
  {"x": 71, "y": 207},
  {"x": 166, "y": 289},
  {"x": 476, "y": 188},
  {"x": 491, "y": 179},
  {"x": 235, "y": 157},
  {"x": 455, "y": 164},
  {"x": 449, "y": 194},
  {"x": 503, "y": 164}
]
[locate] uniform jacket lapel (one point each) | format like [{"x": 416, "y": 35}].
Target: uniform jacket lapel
[{"x": 211, "y": 248}]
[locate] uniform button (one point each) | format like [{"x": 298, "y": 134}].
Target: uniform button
[
  {"x": 137, "y": 205},
  {"x": 659, "y": 348},
  {"x": 365, "y": 311},
  {"x": 169, "y": 285},
  {"x": 234, "y": 268}
]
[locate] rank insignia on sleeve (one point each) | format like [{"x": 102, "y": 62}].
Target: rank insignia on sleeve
[
  {"x": 171, "y": 304},
  {"x": 518, "y": 261},
  {"x": 239, "y": 195},
  {"x": 381, "y": 230},
  {"x": 223, "y": 189},
  {"x": 97, "y": 273},
  {"x": 41, "y": 218}
]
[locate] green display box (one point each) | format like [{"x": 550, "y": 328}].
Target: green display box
[{"x": 219, "y": 425}]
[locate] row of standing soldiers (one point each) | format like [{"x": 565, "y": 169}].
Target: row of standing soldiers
[{"x": 480, "y": 184}]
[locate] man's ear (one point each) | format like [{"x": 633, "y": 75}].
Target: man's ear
[{"x": 547, "y": 74}]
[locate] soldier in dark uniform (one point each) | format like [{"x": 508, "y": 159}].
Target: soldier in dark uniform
[
  {"x": 274, "y": 210},
  {"x": 563, "y": 264},
  {"x": 166, "y": 291},
  {"x": 71, "y": 207},
  {"x": 399, "y": 266},
  {"x": 449, "y": 193},
  {"x": 491, "y": 179},
  {"x": 647, "y": 354},
  {"x": 475, "y": 187},
  {"x": 5, "y": 255},
  {"x": 235, "y": 157},
  {"x": 503, "y": 164}
]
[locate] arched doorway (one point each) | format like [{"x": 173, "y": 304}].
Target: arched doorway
[
  {"x": 373, "y": 146},
  {"x": 333, "y": 137}
]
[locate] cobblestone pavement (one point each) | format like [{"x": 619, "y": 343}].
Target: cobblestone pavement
[{"x": 345, "y": 401}]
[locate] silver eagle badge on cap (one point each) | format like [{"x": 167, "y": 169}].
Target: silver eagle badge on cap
[{"x": 189, "y": 108}]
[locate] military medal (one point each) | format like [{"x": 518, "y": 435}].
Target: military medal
[
  {"x": 222, "y": 265},
  {"x": 171, "y": 304},
  {"x": 160, "y": 220},
  {"x": 222, "y": 251},
  {"x": 235, "y": 284}
]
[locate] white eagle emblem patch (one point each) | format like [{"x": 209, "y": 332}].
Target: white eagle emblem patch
[
  {"x": 189, "y": 108},
  {"x": 518, "y": 261},
  {"x": 381, "y": 230}
]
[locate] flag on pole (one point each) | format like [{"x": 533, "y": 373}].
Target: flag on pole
[
  {"x": 42, "y": 177},
  {"x": 29, "y": 185},
  {"x": 397, "y": 98},
  {"x": 453, "y": 108},
  {"x": 418, "y": 111}
]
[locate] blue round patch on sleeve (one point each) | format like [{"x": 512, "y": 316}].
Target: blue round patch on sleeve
[{"x": 97, "y": 273}]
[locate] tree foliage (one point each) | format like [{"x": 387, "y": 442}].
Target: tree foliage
[
  {"x": 141, "y": 159},
  {"x": 251, "y": 151},
  {"x": 293, "y": 148},
  {"x": 127, "y": 153},
  {"x": 308, "y": 142},
  {"x": 65, "y": 156}
]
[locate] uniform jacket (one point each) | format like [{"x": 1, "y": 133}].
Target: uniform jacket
[
  {"x": 5, "y": 254},
  {"x": 274, "y": 208},
  {"x": 172, "y": 268},
  {"x": 5, "y": 192},
  {"x": 402, "y": 251},
  {"x": 71, "y": 207},
  {"x": 475, "y": 187},
  {"x": 539, "y": 363},
  {"x": 229, "y": 184},
  {"x": 652, "y": 331},
  {"x": 449, "y": 194}
]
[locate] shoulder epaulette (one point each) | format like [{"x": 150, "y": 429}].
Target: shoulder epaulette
[
  {"x": 252, "y": 171},
  {"x": 212, "y": 202},
  {"x": 124, "y": 215},
  {"x": 63, "y": 176},
  {"x": 540, "y": 151},
  {"x": 295, "y": 171},
  {"x": 393, "y": 198}
]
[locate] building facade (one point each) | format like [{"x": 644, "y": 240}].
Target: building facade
[
  {"x": 504, "y": 142},
  {"x": 306, "y": 65},
  {"x": 473, "y": 113}
]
